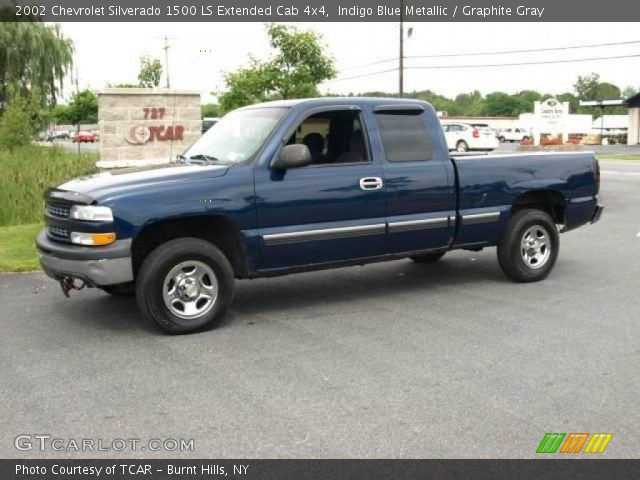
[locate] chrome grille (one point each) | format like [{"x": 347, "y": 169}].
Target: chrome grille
[
  {"x": 59, "y": 211},
  {"x": 57, "y": 232}
]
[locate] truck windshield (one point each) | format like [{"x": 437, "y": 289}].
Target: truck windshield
[{"x": 237, "y": 136}]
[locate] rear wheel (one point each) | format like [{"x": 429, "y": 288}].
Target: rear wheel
[
  {"x": 529, "y": 247},
  {"x": 501, "y": 139},
  {"x": 185, "y": 285},
  {"x": 427, "y": 258},
  {"x": 462, "y": 146}
]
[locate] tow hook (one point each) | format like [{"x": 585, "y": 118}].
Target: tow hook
[{"x": 70, "y": 283}]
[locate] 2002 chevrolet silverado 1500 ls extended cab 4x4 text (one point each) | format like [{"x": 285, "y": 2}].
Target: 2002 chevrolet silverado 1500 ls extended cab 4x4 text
[{"x": 299, "y": 185}]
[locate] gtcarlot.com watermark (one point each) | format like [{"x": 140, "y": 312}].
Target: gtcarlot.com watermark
[{"x": 44, "y": 442}]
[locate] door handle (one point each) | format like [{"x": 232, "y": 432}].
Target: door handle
[{"x": 371, "y": 183}]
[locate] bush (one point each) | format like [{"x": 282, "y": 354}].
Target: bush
[
  {"x": 28, "y": 171},
  {"x": 16, "y": 128}
]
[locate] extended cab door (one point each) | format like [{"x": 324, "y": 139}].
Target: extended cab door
[
  {"x": 419, "y": 178},
  {"x": 330, "y": 211}
]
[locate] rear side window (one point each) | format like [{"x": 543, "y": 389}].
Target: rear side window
[{"x": 405, "y": 137}]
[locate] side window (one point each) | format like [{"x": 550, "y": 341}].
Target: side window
[
  {"x": 333, "y": 137},
  {"x": 405, "y": 137},
  {"x": 445, "y": 128}
]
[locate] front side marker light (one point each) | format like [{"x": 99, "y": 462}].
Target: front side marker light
[{"x": 92, "y": 239}]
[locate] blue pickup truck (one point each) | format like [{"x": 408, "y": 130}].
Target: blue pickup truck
[{"x": 292, "y": 186}]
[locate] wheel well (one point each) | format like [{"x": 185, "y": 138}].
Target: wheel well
[
  {"x": 220, "y": 231},
  {"x": 549, "y": 201}
]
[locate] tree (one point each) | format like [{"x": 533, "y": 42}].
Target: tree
[
  {"x": 500, "y": 104},
  {"x": 33, "y": 55},
  {"x": 83, "y": 108},
  {"x": 210, "y": 110},
  {"x": 150, "y": 72},
  {"x": 586, "y": 87},
  {"x": 630, "y": 91},
  {"x": 299, "y": 64}
]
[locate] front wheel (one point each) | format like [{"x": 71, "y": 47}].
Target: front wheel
[
  {"x": 185, "y": 285},
  {"x": 529, "y": 248}
]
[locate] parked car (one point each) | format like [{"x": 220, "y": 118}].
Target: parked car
[
  {"x": 84, "y": 137},
  {"x": 463, "y": 137},
  {"x": 517, "y": 134},
  {"x": 208, "y": 122},
  {"x": 299, "y": 185},
  {"x": 60, "y": 135}
]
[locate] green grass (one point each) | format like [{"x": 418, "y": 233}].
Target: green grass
[
  {"x": 618, "y": 156},
  {"x": 25, "y": 173},
  {"x": 18, "y": 249}
]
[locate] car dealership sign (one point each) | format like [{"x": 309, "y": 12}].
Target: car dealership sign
[
  {"x": 146, "y": 126},
  {"x": 551, "y": 115}
]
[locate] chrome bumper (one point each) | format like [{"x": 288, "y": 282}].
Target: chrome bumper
[{"x": 97, "y": 266}]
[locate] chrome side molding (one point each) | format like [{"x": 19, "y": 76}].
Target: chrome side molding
[
  {"x": 480, "y": 218},
  {"x": 424, "y": 224},
  {"x": 324, "y": 234}
]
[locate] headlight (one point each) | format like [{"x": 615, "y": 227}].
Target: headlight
[
  {"x": 91, "y": 213},
  {"x": 92, "y": 239}
]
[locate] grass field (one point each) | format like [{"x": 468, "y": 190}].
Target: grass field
[
  {"x": 18, "y": 249},
  {"x": 618, "y": 156},
  {"x": 27, "y": 172}
]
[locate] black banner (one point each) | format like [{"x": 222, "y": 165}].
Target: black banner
[
  {"x": 320, "y": 11},
  {"x": 319, "y": 469}
]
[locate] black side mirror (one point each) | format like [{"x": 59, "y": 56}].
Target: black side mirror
[{"x": 292, "y": 156}]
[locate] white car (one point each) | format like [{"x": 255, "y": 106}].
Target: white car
[
  {"x": 517, "y": 134},
  {"x": 463, "y": 137}
]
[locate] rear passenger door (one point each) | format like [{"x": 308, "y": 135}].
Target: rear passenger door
[{"x": 419, "y": 180}]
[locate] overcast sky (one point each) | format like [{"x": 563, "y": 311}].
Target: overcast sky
[{"x": 201, "y": 52}]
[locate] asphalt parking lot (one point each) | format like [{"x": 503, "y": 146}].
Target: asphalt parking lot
[{"x": 387, "y": 360}]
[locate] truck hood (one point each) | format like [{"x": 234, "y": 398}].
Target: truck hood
[{"x": 108, "y": 184}]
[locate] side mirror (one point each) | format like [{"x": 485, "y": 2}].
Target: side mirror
[{"x": 292, "y": 156}]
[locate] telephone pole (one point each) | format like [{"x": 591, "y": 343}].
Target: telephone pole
[
  {"x": 401, "y": 59},
  {"x": 166, "y": 57}
]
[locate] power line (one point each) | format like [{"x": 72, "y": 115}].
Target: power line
[
  {"x": 501, "y": 52},
  {"x": 487, "y": 65}
]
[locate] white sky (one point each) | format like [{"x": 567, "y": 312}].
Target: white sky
[{"x": 201, "y": 52}]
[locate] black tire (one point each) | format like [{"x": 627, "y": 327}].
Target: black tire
[
  {"x": 427, "y": 257},
  {"x": 120, "y": 289},
  {"x": 501, "y": 139},
  {"x": 152, "y": 277},
  {"x": 536, "y": 262},
  {"x": 462, "y": 146}
]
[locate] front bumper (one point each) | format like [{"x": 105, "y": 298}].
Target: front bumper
[
  {"x": 97, "y": 266},
  {"x": 597, "y": 214}
]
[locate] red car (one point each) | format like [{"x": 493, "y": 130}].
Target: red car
[{"x": 84, "y": 136}]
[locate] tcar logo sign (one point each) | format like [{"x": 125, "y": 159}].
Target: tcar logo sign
[{"x": 137, "y": 134}]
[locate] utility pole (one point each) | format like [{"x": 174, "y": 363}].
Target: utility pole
[
  {"x": 77, "y": 92},
  {"x": 401, "y": 59},
  {"x": 166, "y": 58}
]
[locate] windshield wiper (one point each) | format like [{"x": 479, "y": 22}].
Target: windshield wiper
[{"x": 202, "y": 156}]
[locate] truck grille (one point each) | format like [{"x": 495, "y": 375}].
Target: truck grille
[
  {"x": 59, "y": 211},
  {"x": 58, "y": 233}
]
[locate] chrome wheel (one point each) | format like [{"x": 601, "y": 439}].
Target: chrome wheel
[
  {"x": 190, "y": 289},
  {"x": 535, "y": 246}
]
